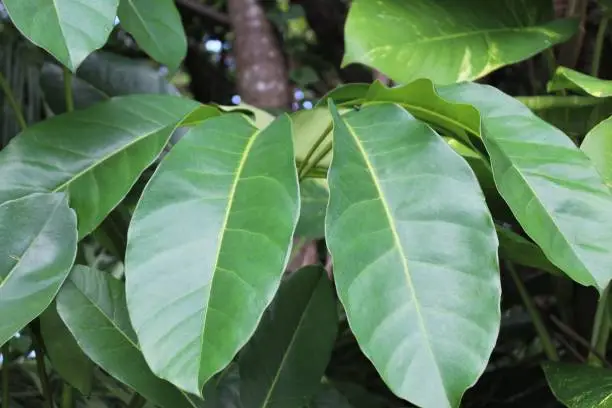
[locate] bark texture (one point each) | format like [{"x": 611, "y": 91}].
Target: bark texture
[{"x": 262, "y": 77}]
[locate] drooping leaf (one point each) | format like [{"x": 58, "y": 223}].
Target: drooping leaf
[
  {"x": 219, "y": 213},
  {"x": 580, "y": 386},
  {"x": 92, "y": 305},
  {"x": 314, "y": 194},
  {"x": 94, "y": 154},
  {"x": 520, "y": 251},
  {"x": 283, "y": 363},
  {"x": 101, "y": 76},
  {"x": 38, "y": 243},
  {"x": 598, "y": 147},
  {"x": 413, "y": 244},
  {"x": 471, "y": 38},
  {"x": 344, "y": 94},
  {"x": 260, "y": 117},
  {"x": 69, "y": 29},
  {"x": 566, "y": 78},
  {"x": 65, "y": 354},
  {"x": 550, "y": 185},
  {"x": 157, "y": 29}
]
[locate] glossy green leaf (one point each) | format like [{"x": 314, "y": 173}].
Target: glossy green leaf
[
  {"x": 157, "y": 29},
  {"x": 101, "y": 76},
  {"x": 421, "y": 99},
  {"x": 38, "y": 243},
  {"x": 471, "y": 38},
  {"x": 413, "y": 244},
  {"x": 314, "y": 194},
  {"x": 283, "y": 363},
  {"x": 260, "y": 117},
  {"x": 65, "y": 354},
  {"x": 550, "y": 185},
  {"x": 94, "y": 154},
  {"x": 523, "y": 252},
  {"x": 566, "y": 78},
  {"x": 219, "y": 213},
  {"x": 344, "y": 94},
  {"x": 69, "y": 29},
  {"x": 580, "y": 386},
  {"x": 92, "y": 305},
  {"x": 598, "y": 146}
]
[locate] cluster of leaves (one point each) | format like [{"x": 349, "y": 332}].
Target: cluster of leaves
[{"x": 424, "y": 189}]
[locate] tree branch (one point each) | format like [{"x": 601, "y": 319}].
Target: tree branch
[{"x": 204, "y": 10}]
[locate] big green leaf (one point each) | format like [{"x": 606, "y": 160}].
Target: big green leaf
[
  {"x": 470, "y": 38},
  {"x": 69, "y": 29},
  {"x": 65, "y": 354},
  {"x": 223, "y": 390},
  {"x": 550, "y": 185},
  {"x": 157, "y": 28},
  {"x": 37, "y": 248},
  {"x": 580, "y": 386},
  {"x": 329, "y": 397},
  {"x": 94, "y": 154},
  {"x": 413, "y": 245},
  {"x": 101, "y": 76},
  {"x": 598, "y": 146},
  {"x": 92, "y": 305},
  {"x": 566, "y": 78},
  {"x": 283, "y": 363},
  {"x": 209, "y": 242}
]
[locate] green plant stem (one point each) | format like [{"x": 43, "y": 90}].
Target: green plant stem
[
  {"x": 68, "y": 90},
  {"x": 67, "y": 398},
  {"x": 5, "y": 375},
  {"x": 599, "y": 42},
  {"x": 551, "y": 61},
  {"x": 547, "y": 343},
  {"x": 313, "y": 148},
  {"x": 548, "y": 102},
  {"x": 315, "y": 161},
  {"x": 601, "y": 329},
  {"x": 6, "y": 89},
  {"x": 40, "y": 366},
  {"x": 137, "y": 401}
]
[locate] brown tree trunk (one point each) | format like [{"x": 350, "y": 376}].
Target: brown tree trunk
[{"x": 262, "y": 78}]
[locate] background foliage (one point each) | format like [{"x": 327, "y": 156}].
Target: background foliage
[{"x": 305, "y": 203}]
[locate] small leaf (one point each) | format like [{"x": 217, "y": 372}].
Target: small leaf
[
  {"x": 550, "y": 185},
  {"x": 283, "y": 363},
  {"x": 94, "y": 154},
  {"x": 65, "y": 354},
  {"x": 101, "y": 76},
  {"x": 566, "y": 78},
  {"x": 157, "y": 29},
  {"x": 471, "y": 38},
  {"x": 523, "y": 252},
  {"x": 70, "y": 29},
  {"x": 309, "y": 126},
  {"x": 413, "y": 244},
  {"x": 92, "y": 305},
  {"x": 38, "y": 244},
  {"x": 598, "y": 147},
  {"x": 219, "y": 213},
  {"x": 580, "y": 386},
  {"x": 314, "y": 194}
]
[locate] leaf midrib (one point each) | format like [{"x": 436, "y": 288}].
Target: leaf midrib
[
  {"x": 397, "y": 242},
  {"x": 221, "y": 236},
  {"x": 144, "y": 24}
]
